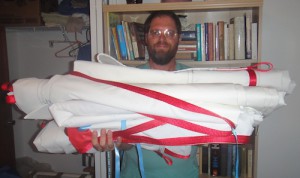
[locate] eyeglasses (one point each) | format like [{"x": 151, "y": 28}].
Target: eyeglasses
[{"x": 167, "y": 33}]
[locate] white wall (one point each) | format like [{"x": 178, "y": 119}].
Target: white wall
[
  {"x": 279, "y": 140},
  {"x": 279, "y": 135},
  {"x": 31, "y": 56}
]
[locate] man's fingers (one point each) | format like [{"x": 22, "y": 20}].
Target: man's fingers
[
  {"x": 95, "y": 140},
  {"x": 105, "y": 143},
  {"x": 110, "y": 142}
]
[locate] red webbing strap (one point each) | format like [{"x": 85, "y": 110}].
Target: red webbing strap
[
  {"x": 252, "y": 77},
  {"x": 159, "y": 96},
  {"x": 191, "y": 140},
  {"x": 171, "y": 153},
  {"x": 260, "y": 67},
  {"x": 160, "y": 120},
  {"x": 82, "y": 140}
]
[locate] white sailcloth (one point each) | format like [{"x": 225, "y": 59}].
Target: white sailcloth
[{"x": 102, "y": 95}]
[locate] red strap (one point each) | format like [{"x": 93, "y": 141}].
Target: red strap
[
  {"x": 159, "y": 96},
  {"x": 81, "y": 140},
  {"x": 214, "y": 136},
  {"x": 192, "y": 140},
  {"x": 10, "y": 99},
  {"x": 167, "y": 159},
  {"x": 169, "y": 152},
  {"x": 252, "y": 77}
]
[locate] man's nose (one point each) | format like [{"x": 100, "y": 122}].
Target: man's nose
[{"x": 162, "y": 37}]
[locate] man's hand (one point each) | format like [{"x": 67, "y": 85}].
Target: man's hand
[{"x": 106, "y": 142}]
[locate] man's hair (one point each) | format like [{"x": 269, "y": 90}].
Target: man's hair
[{"x": 155, "y": 14}]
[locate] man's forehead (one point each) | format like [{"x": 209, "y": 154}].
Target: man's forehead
[{"x": 164, "y": 21}]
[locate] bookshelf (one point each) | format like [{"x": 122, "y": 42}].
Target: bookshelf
[{"x": 195, "y": 12}]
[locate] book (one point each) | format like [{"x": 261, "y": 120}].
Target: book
[
  {"x": 226, "y": 41},
  {"x": 229, "y": 160},
  {"x": 199, "y": 43},
  {"x": 203, "y": 41},
  {"x": 249, "y": 163},
  {"x": 223, "y": 160},
  {"x": 185, "y": 55},
  {"x": 200, "y": 161},
  {"x": 231, "y": 41},
  {"x": 243, "y": 161},
  {"x": 115, "y": 42},
  {"x": 210, "y": 34},
  {"x": 216, "y": 38},
  {"x": 206, "y": 40},
  {"x": 191, "y": 48},
  {"x": 239, "y": 37},
  {"x": 137, "y": 30},
  {"x": 254, "y": 40},
  {"x": 122, "y": 42},
  {"x": 205, "y": 160},
  {"x": 221, "y": 33},
  {"x": 133, "y": 41},
  {"x": 128, "y": 42},
  {"x": 192, "y": 42},
  {"x": 215, "y": 159},
  {"x": 248, "y": 26},
  {"x": 188, "y": 36}
]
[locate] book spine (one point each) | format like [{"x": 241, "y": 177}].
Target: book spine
[
  {"x": 249, "y": 163},
  {"x": 140, "y": 38},
  {"x": 221, "y": 40},
  {"x": 187, "y": 48},
  {"x": 128, "y": 42},
  {"x": 113, "y": 46},
  {"x": 122, "y": 43},
  {"x": 206, "y": 42},
  {"x": 200, "y": 161},
  {"x": 205, "y": 161},
  {"x": 135, "y": 48},
  {"x": 224, "y": 158},
  {"x": 203, "y": 41},
  {"x": 229, "y": 160},
  {"x": 239, "y": 37},
  {"x": 217, "y": 48},
  {"x": 248, "y": 37},
  {"x": 215, "y": 159},
  {"x": 185, "y": 55},
  {"x": 226, "y": 41},
  {"x": 116, "y": 43},
  {"x": 210, "y": 41},
  {"x": 188, "y": 36},
  {"x": 199, "y": 44},
  {"x": 254, "y": 40},
  {"x": 231, "y": 41}
]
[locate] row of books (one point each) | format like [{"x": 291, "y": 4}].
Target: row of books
[
  {"x": 128, "y": 41},
  {"x": 226, "y": 160},
  {"x": 236, "y": 39}
]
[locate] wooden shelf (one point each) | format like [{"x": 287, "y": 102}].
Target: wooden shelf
[{"x": 184, "y": 6}]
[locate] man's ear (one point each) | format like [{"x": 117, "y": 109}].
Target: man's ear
[{"x": 146, "y": 40}]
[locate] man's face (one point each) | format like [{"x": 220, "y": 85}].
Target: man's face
[{"x": 162, "y": 40}]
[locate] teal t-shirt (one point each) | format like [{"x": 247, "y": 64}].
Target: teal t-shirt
[{"x": 154, "y": 165}]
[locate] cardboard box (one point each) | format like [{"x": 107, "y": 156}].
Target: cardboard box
[{"x": 20, "y": 13}]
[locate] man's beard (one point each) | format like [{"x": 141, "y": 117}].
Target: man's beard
[{"x": 162, "y": 57}]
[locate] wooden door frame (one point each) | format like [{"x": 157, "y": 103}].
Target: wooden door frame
[{"x": 7, "y": 148}]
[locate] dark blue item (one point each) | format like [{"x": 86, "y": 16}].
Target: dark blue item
[
  {"x": 66, "y": 8},
  {"x": 84, "y": 53},
  {"x": 8, "y": 172}
]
